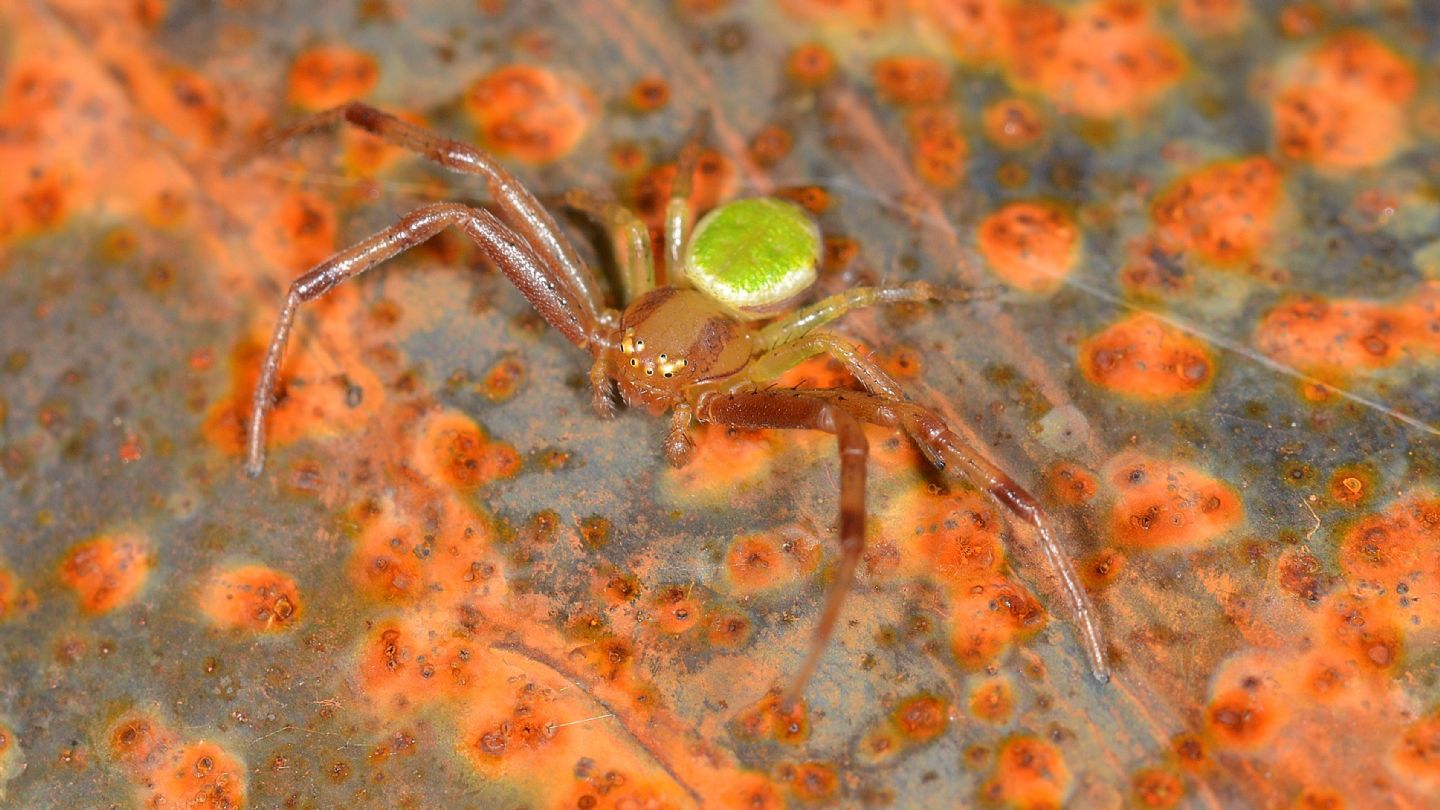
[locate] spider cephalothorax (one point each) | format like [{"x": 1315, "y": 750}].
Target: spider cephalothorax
[{"x": 707, "y": 345}]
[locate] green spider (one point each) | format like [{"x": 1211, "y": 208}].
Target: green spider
[{"x": 705, "y": 346}]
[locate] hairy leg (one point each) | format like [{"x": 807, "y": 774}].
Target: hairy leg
[
  {"x": 794, "y": 326},
  {"x": 786, "y": 356},
  {"x": 521, "y": 210},
  {"x": 510, "y": 253},
  {"x": 795, "y": 409},
  {"x": 629, "y": 240},
  {"x": 947, "y": 451}
]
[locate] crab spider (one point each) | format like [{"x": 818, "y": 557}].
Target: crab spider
[{"x": 705, "y": 346}]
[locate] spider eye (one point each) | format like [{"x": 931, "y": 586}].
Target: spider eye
[
  {"x": 668, "y": 375},
  {"x": 634, "y": 362},
  {"x": 662, "y": 357},
  {"x": 649, "y": 372}
]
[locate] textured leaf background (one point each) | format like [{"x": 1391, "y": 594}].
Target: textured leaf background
[{"x": 1210, "y": 227}]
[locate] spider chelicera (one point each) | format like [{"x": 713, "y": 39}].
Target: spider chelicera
[{"x": 705, "y": 346}]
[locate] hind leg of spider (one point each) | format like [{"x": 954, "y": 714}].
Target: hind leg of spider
[
  {"x": 505, "y": 249},
  {"x": 521, "y": 211},
  {"x": 948, "y": 452},
  {"x": 797, "y": 410}
]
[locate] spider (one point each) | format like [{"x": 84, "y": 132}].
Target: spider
[{"x": 704, "y": 346}]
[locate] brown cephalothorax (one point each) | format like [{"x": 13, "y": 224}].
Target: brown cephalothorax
[{"x": 705, "y": 346}]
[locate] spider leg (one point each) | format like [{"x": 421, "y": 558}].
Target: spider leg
[
  {"x": 677, "y": 210},
  {"x": 798, "y": 409},
  {"x": 678, "y": 444},
  {"x": 507, "y": 250},
  {"x": 521, "y": 210},
  {"x": 947, "y": 451},
  {"x": 601, "y": 387},
  {"x": 630, "y": 241},
  {"x": 786, "y": 356},
  {"x": 796, "y": 324}
]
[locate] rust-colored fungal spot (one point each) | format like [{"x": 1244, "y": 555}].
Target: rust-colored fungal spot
[
  {"x": 1072, "y": 483},
  {"x": 1367, "y": 633},
  {"x": 1012, "y": 123},
  {"x": 771, "y": 144},
  {"x": 503, "y": 379},
  {"x": 1337, "y": 338},
  {"x": 1029, "y": 773},
  {"x": 810, "y": 782},
  {"x": 255, "y": 598},
  {"x": 197, "y": 775},
  {"x": 37, "y": 201},
  {"x": 1190, "y": 752},
  {"x": 814, "y": 199},
  {"x": 993, "y": 701},
  {"x": 1353, "y": 485},
  {"x": 107, "y": 571},
  {"x": 1344, "y": 105},
  {"x": 989, "y": 617},
  {"x": 1240, "y": 718},
  {"x": 1162, "y": 504},
  {"x": 952, "y": 539},
  {"x": 769, "y": 719},
  {"x": 1301, "y": 574},
  {"x": 648, "y": 94},
  {"x": 760, "y": 562},
  {"x": 529, "y": 113},
  {"x": 1100, "y": 59},
  {"x": 1223, "y": 213},
  {"x": 922, "y": 718},
  {"x": 911, "y": 79},
  {"x": 172, "y": 773},
  {"x": 1247, "y": 707},
  {"x": 1398, "y": 551},
  {"x": 676, "y": 609},
  {"x": 306, "y": 225},
  {"x": 939, "y": 150},
  {"x": 137, "y": 741},
  {"x": 1418, "y": 752},
  {"x": 454, "y": 451},
  {"x": 1157, "y": 788},
  {"x": 384, "y": 564},
  {"x": 728, "y": 630},
  {"x": 1030, "y": 246},
  {"x": 724, "y": 460},
  {"x": 1146, "y": 358},
  {"x": 810, "y": 65},
  {"x": 330, "y": 75},
  {"x": 402, "y": 665},
  {"x": 12, "y": 601}
]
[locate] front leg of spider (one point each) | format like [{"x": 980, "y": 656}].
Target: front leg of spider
[
  {"x": 507, "y": 250},
  {"x": 799, "y": 410},
  {"x": 678, "y": 444}
]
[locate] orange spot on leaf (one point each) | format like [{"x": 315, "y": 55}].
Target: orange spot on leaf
[
  {"x": 106, "y": 572},
  {"x": 253, "y": 598},
  {"x": 1145, "y": 358}
]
